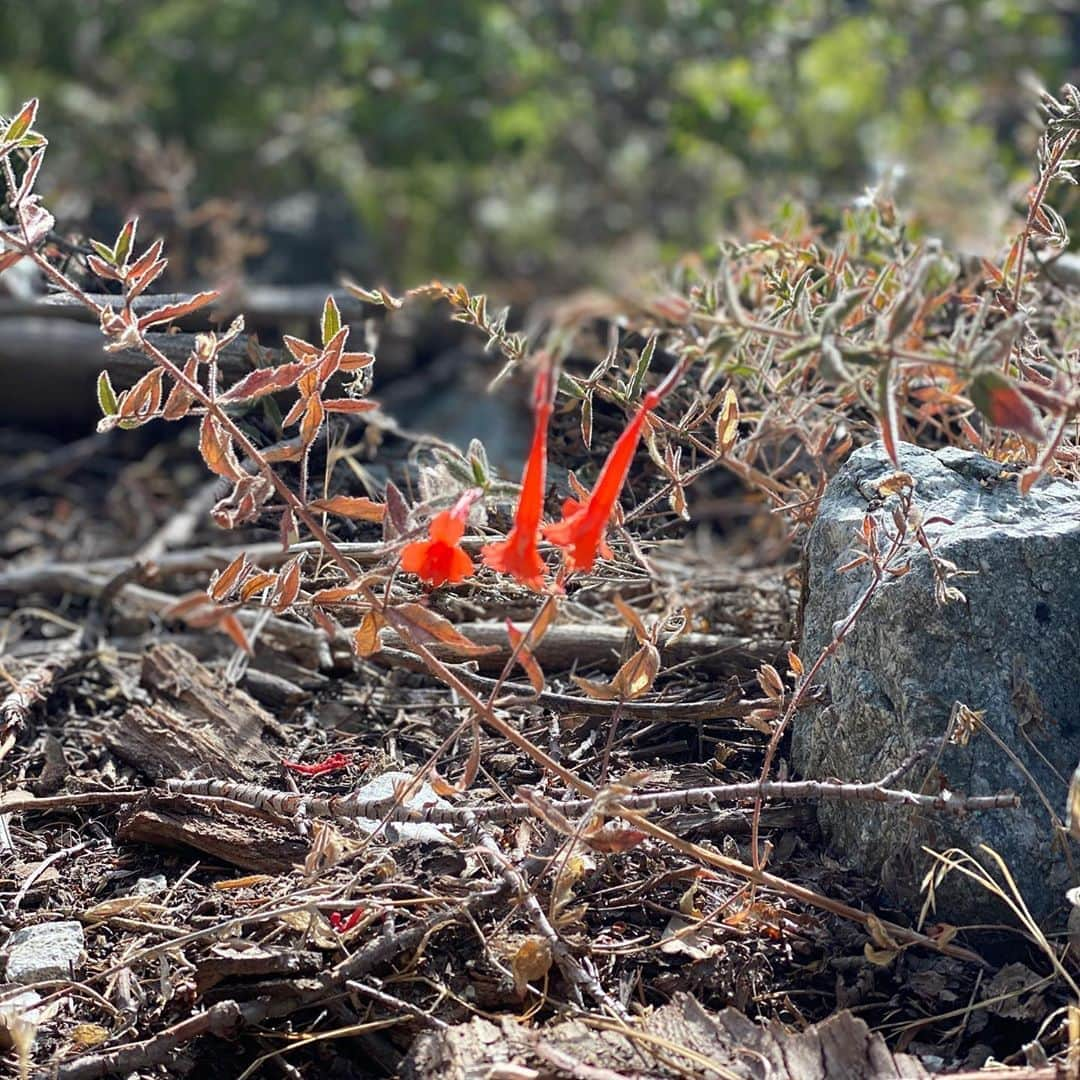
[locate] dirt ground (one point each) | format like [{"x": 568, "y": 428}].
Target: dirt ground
[{"x": 271, "y": 928}]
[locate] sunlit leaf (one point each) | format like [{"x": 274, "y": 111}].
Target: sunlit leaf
[
  {"x": 312, "y": 420},
  {"x": 179, "y": 310},
  {"x": 727, "y": 423},
  {"x": 217, "y": 451},
  {"x": 330, "y": 323},
  {"x": 426, "y": 627},
  {"x": 124, "y": 240},
  {"x": 350, "y": 506},
  {"x": 263, "y": 381},
  {"x": 106, "y": 395},
  {"x": 531, "y": 962},
  {"x": 349, "y": 405},
  {"x": 22, "y": 122},
  {"x": 366, "y": 635}
]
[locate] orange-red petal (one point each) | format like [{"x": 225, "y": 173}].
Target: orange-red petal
[
  {"x": 517, "y": 556},
  {"x": 458, "y": 566},
  {"x": 447, "y": 527},
  {"x": 413, "y": 556}
]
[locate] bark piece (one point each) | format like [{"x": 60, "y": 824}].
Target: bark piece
[
  {"x": 244, "y": 960},
  {"x": 197, "y": 689},
  {"x": 249, "y": 843},
  {"x": 206, "y": 725}
]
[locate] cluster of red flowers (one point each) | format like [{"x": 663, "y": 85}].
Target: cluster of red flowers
[{"x": 581, "y": 533}]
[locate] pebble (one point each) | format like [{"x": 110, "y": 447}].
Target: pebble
[{"x": 51, "y": 950}]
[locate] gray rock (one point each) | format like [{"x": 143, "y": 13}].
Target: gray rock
[
  {"x": 1012, "y": 648},
  {"x": 50, "y": 950}
]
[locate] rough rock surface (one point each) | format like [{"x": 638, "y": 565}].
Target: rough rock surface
[
  {"x": 51, "y": 950},
  {"x": 1011, "y": 649}
]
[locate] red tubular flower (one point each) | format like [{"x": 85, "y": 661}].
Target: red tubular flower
[
  {"x": 518, "y": 555},
  {"x": 439, "y": 559},
  {"x": 581, "y": 531}
]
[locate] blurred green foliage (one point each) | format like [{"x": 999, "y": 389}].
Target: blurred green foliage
[{"x": 563, "y": 140}]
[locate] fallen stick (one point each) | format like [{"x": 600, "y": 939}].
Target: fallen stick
[{"x": 289, "y": 804}]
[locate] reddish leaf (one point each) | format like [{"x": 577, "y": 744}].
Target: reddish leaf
[
  {"x": 336, "y": 593},
  {"x": 312, "y": 421},
  {"x": 223, "y": 584},
  {"x": 178, "y": 311},
  {"x": 472, "y": 765},
  {"x": 612, "y": 839},
  {"x": 283, "y": 453},
  {"x": 331, "y": 356},
  {"x": 256, "y": 583},
  {"x": 354, "y": 361},
  {"x": 328, "y": 626},
  {"x": 300, "y": 349},
  {"x": 264, "y": 381},
  {"x": 295, "y": 412},
  {"x": 772, "y": 686},
  {"x": 180, "y": 397},
  {"x": 186, "y": 605},
  {"x": 427, "y": 628},
  {"x": 144, "y": 398},
  {"x": 396, "y": 522},
  {"x": 199, "y": 611},
  {"x": 288, "y": 586},
  {"x": 525, "y": 657},
  {"x": 230, "y": 624},
  {"x": 26, "y": 185},
  {"x": 102, "y": 268},
  {"x": 1003, "y": 404},
  {"x": 143, "y": 263},
  {"x": 217, "y": 451},
  {"x": 349, "y": 405},
  {"x": 631, "y": 618},
  {"x": 308, "y": 383},
  {"x": 136, "y": 286},
  {"x": 350, "y": 506}
]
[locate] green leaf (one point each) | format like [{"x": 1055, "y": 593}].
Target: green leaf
[
  {"x": 331, "y": 320},
  {"x": 641, "y": 368},
  {"x": 22, "y": 122},
  {"x": 103, "y": 250},
  {"x": 122, "y": 248},
  {"x": 888, "y": 416},
  {"x": 478, "y": 461},
  {"x": 106, "y": 395}
]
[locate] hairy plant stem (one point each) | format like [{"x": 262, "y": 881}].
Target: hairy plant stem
[{"x": 1035, "y": 201}]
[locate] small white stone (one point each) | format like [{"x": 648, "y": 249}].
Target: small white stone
[
  {"x": 50, "y": 950},
  {"x": 149, "y": 886},
  {"x": 418, "y": 832}
]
